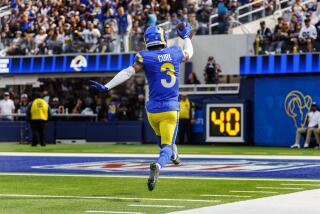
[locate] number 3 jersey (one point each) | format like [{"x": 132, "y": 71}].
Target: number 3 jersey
[{"x": 161, "y": 69}]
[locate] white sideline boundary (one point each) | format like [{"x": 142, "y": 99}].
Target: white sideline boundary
[
  {"x": 112, "y": 212},
  {"x": 306, "y": 202},
  {"x": 106, "y": 197},
  {"x": 266, "y": 157},
  {"x": 162, "y": 177}
]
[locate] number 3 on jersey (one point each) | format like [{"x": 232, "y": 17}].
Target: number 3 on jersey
[{"x": 169, "y": 69}]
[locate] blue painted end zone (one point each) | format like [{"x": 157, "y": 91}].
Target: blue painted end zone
[{"x": 258, "y": 168}]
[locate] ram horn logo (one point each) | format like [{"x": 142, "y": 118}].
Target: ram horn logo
[
  {"x": 78, "y": 63},
  {"x": 297, "y": 107}
]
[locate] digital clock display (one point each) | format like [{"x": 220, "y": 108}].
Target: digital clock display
[{"x": 224, "y": 122}]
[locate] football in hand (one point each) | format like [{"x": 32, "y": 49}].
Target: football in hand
[{"x": 180, "y": 26}]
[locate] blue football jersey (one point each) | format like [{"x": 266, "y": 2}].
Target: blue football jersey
[{"x": 162, "y": 68}]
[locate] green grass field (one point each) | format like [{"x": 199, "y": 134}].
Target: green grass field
[
  {"x": 110, "y": 194},
  {"x": 123, "y": 194}
]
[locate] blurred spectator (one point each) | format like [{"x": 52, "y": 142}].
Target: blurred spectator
[
  {"x": 139, "y": 108},
  {"x": 186, "y": 118},
  {"x": 6, "y": 107},
  {"x": 113, "y": 106},
  {"x": 24, "y": 103},
  {"x": 294, "y": 37},
  {"x": 317, "y": 42},
  {"x": 124, "y": 24},
  {"x": 194, "y": 23},
  {"x": 56, "y": 107},
  {"x": 307, "y": 35},
  {"x": 77, "y": 109},
  {"x": 125, "y": 110},
  {"x": 164, "y": 9},
  {"x": 313, "y": 121},
  {"x": 192, "y": 79},
  {"x": 91, "y": 37},
  {"x": 263, "y": 39},
  {"x": 87, "y": 111},
  {"x": 203, "y": 15},
  {"x": 39, "y": 41},
  {"x": 212, "y": 71},
  {"x": 18, "y": 45},
  {"x": 151, "y": 16},
  {"x": 107, "y": 40},
  {"x": 277, "y": 41},
  {"x": 298, "y": 10},
  {"x": 46, "y": 96}
]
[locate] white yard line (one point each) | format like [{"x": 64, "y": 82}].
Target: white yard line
[
  {"x": 282, "y": 188},
  {"x": 252, "y": 191},
  {"x": 267, "y": 157},
  {"x": 154, "y": 205},
  {"x": 313, "y": 185},
  {"x": 228, "y": 196},
  {"x": 306, "y": 202},
  {"x": 114, "y": 212},
  {"x": 162, "y": 177},
  {"x": 107, "y": 197}
]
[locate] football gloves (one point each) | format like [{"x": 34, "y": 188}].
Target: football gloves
[
  {"x": 185, "y": 33},
  {"x": 97, "y": 86}
]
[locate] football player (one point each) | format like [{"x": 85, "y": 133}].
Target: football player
[{"x": 161, "y": 65}]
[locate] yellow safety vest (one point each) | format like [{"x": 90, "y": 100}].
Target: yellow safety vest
[
  {"x": 39, "y": 109},
  {"x": 184, "y": 109}
]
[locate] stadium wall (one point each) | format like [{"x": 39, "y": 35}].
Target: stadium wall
[{"x": 226, "y": 49}]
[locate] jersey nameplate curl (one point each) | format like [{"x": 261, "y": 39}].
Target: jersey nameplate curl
[{"x": 164, "y": 58}]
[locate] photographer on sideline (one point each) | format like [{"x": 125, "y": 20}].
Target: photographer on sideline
[{"x": 212, "y": 71}]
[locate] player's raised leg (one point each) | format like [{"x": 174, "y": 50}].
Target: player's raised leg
[{"x": 168, "y": 128}]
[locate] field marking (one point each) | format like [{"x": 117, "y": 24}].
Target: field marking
[
  {"x": 162, "y": 177},
  {"x": 253, "y": 191},
  {"x": 107, "y": 197},
  {"x": 155, "y": 205},
  {"x": 314, "y": 185},
  {"x": 282, "y": 188},
  {"x": 122, "y": 155},
  {"x": 305, "y": 202},
  {"x": 231, "y": 196},
  {"x": 114, "y": 212}
]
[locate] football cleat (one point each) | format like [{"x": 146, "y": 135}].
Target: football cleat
[
  {"x": 153, "y": 177},
  {"x": 175, "y": 158}
]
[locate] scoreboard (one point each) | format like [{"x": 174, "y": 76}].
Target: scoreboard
[{"x": 225, "y": 122}]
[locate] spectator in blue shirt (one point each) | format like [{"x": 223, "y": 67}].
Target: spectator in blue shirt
[{"x": 124, "y": 27}]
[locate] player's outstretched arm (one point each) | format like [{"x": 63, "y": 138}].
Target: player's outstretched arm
[
  {"x": 184, "y": 31},
  {"x": 121, "y": 77}
]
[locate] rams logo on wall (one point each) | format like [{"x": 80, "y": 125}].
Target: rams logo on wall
[
  {"x": 297, "y": 106},
  {"x": 78, "y": 63}
]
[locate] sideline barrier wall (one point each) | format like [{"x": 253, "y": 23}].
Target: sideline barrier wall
[
  {"x": 284, "y": 88},
  {"x": 120, "y": 131}
]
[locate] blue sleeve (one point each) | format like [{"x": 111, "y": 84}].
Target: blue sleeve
[{"x": 139, "y": 57}]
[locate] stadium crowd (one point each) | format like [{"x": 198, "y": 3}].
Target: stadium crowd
[
  {"x": 72, "y": 96},
  {"x": 65, "y": 26},
  {"x": 300, "y": 33}
]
